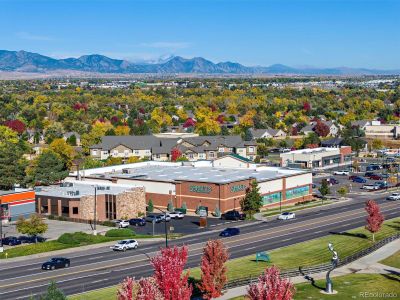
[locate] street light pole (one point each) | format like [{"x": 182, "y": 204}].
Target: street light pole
[{"x": 95, "y": 209}]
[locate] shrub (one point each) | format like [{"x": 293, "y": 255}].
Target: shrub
[
  {"x": 50, "y": 217},
  {"x": 123, "y": 232},
  {"x": 67, "y": 238},
  {"x": 76, "y": 238},
  {"x": 108, "y": 223}
]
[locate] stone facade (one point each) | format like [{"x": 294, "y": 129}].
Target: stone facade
[{"x": 131, "y": 203}]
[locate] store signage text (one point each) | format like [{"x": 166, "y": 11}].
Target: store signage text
[{"x": 200, "y": 189}]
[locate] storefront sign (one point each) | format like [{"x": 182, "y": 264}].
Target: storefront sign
[
  {"x": 238, "y": 188},
  {"x": 203, "y": 189}
]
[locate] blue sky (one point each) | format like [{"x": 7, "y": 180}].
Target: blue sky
[{"x": 323, "y": 33}]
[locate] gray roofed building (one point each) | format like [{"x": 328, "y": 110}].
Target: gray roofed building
[{"x": 267, "y": 133}]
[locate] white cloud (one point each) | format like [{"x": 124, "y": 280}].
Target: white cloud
[
  {"x": 32, "y": 37},
  {"x": 166, "y": 45}
]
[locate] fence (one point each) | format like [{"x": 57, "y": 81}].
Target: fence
[{"x": 304, "y": 271}]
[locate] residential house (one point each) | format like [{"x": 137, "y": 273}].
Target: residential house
[
  {"x": 361, "y": 124},
  {"x": 333, "y": 128},
  {"x": 267, "y": 133}
]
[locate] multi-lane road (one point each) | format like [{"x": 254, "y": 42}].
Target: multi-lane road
[{"x": 102, "y": 267}]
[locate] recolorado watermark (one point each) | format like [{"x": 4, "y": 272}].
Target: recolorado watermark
[{"x": 378, "y": 295}]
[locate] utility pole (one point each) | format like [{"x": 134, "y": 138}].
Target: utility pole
[{"x": 95, "y": 209}]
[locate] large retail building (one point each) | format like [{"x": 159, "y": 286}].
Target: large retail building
[{"x": 221, "y": 183}]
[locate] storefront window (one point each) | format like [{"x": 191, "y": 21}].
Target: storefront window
[
  {"x": 297, "y": 192},
  {"x": 271, "y": 198}
]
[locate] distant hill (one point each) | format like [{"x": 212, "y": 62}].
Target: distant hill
[{"x": 22, "y": 61}]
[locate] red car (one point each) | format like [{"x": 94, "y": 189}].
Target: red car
[
  {"x": 376, "y": 177},
  {"x": 352, "y": 177}
]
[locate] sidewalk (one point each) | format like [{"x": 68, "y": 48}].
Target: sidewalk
[{"x": 368, "y": 264}]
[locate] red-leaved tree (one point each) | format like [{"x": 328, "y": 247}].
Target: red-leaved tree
[
  {"x": 374, "y": 219},
  {"x": 306, "y": 107},
  {"x": 271, "y": 286},
  {"x": 189, "y": 123},
  {"x": 175, "y": 154},
  {"x": 16, "y": 125},
  {"x": 148, "y": 290},
  {"x": 168, "y": 269},
  {"x": 125, "y": 292},
  {"x": 213, "y": 270},
  {"x": 321, "y": 129}
]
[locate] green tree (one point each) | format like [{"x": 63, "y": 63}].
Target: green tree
[
  {"x": 150, "y": 206},
  {"x": 47, "y": 169},
  {"x": 53, "y": 293},
  {"x": 71, "y": 140},
  {"x": 342, "y": 191},
  {"x": 32, "y": 226},
  {"x": 170, "y": 206},
  {"x": 12, "y": 166},
  {"x": 252, "y": 202},
  {"x": 324, "y": 189}
]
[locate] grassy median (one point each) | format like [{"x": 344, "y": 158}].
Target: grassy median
[
  {"x": 308, "y": 253},
  {"x": 393, "y": 260}
]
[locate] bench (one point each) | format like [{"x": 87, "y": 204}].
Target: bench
[{"x": 263, "y": 256}]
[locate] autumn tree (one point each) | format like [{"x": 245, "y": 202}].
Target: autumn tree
[
  {"x": 375, "y": 218},
  {"x": 168, "y": 269},
  {"x": 213, "y": 269},
  {"x": 122, "y": 130},
  {"x": 64, "y": 150},
  {"x": 252, "y": 201},
  {"x": 270, "y": 286},
  {"x": 321, "y": 129},
  {"x": 16, "y": 125},
  {"x": 32, "y": 226},
  {"x": 175, "y": 154}
]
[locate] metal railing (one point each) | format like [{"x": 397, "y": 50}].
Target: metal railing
[{"x": 305, "y": 271}]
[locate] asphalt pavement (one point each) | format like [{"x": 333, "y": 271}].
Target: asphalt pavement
[{"x": 102, "y": 267}]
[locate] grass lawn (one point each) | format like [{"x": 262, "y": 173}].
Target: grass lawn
[
  {"x": 109, "y": 293},
  {"x": 308, "y": 253},
  {"x": 348, "y": 287},
  {"x": 393, "y": 261},
  {"x": 276, "y": 210},
  {"x": 351, "y": 287}
]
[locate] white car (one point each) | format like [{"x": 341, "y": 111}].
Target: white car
[
  {"x": 341, "y": 172},
  {"x": 370, "y": 187},
  {"x": 125, "y": 245},
  {"x": 123, "y": 224},
  {"x": 286, "y": 216},
  {"x": 165, "y": 217},
  {"x": 394, "y": 197},
  {"x": 176, "y": 215}
]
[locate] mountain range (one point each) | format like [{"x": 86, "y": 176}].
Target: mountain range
[{"x": 23, "y": 61}]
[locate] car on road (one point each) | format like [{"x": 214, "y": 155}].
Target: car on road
[
  {"x": 122, "y": 224},
  {"x": 359, "y": 179},
  {"x": 137, "y": 222},
  {"x": 177, "y": 215},
  {"x": 286, "y": 216},
  {"x": 370, "y": 187},
  {"x": 229, "y": 232},
  {"x": 56, "y": 263},
  {"x": 11, "y": 241},
  {"x": 125, "y": 245},
  {"x": 233, "y": 215},
  {"x": 394, "y": 197},
  {"x": 153, "y": 218},
  {"x": 341, "y": 172}
]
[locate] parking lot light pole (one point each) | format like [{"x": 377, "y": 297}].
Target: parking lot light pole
[{"x": 165, "y": 226}]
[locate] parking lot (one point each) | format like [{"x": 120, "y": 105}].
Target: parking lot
[{"x": 187, "y": 225}]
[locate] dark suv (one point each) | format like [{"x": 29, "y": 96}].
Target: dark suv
[
  {"x": 137, "y": 222},
  {"x": 56, "y": 263},
  {"x": 234, "y": 215}
]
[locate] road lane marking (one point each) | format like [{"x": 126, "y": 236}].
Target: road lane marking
[{"x": 193, "y": 249}]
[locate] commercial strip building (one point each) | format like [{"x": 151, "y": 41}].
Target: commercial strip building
[
  {"x": 16, "y": 203},
  {"x": 76, "y": 200},
  {"x": 324, "y": 157},
  {"x": 220, "y": 183}
]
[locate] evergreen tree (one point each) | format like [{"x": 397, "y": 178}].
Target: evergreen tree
[
  {"x": 170, "y": 207},
  {"x": 72, "y": 140},
  {"x": 252, "y": 202},
  {"x": 12, "y": 166},
  {"x": 324, "y": 189},
  {"x": 53, "y": 293},
  {"x": 248, "y": 136},
  {"x": 48, "y": 169},
  {"x": 150, "y": 206}
]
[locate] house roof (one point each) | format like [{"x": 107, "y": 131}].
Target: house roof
[
  {"x": 332, "y": 142},
  {"x": 360, "y": 123},
  {"x": 137, "y": 142},
  {"x": 238, "y": 157}
]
